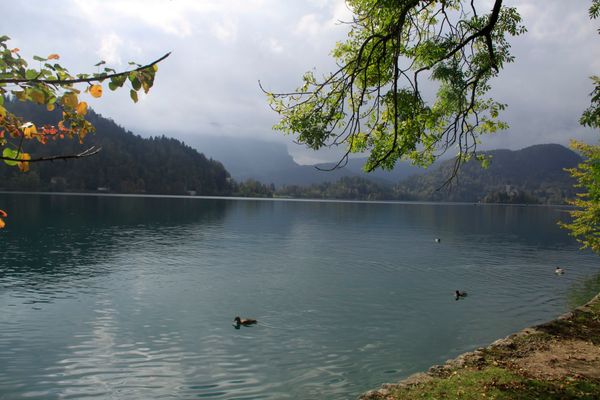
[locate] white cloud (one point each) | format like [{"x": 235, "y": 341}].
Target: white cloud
[
  {"x": 109, "y": 49},
  {"x": 314, "y": 24},
  {"x": 276, "y": 41},
  {"x": 226, "y": 31},
  {"x": 275, "y": 46},
  {"x": 308, "y": 25},
  {"x": 554, "y": 21}
]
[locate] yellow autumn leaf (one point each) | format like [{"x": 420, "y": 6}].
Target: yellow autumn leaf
[
  {"x": 37, "y": 97},
  {"x": 82, "y": 134},
  {"x": 81, "y": 108},
  {"x": 29, "y": 130},
  {"x": 70, "y": 100},
  {"x": 96, "y": 91},
  {"x": 2, "y": 113},
  {"x": 50, "y": 107},
  {"x": 2, "y": 215},
  {"x": 24, "y": 165},
  {"x": 53, "y": 56}
]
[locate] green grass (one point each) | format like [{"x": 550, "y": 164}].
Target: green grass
[{"x": 497, "y": 383}]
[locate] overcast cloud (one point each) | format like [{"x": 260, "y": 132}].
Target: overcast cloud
[{"x": 220, "y": 49}]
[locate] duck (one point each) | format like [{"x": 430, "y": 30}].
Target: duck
[
  {"x": 559, "y": 271},
  {"x": 437, "y": 240},
  {"x": 458, "y": 294},
  {"x": 246, "y": 321}
]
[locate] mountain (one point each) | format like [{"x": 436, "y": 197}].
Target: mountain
[
  {"x": 127, "y": 163},
  {"x": 270, "y": 162},
  {"x": 531, "y": 175}
]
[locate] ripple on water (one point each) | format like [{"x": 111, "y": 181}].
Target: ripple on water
[{"x": 347, "y": 296}]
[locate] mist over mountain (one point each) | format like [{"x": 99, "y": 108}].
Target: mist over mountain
[{"x": 270, "y": 162}]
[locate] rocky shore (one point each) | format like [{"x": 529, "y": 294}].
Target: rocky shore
[{"x": 559, "y": 359}]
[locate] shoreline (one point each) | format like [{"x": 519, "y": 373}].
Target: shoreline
[
  {"x": 545, "y": 360},
  {"x": 284, "y": 199}
]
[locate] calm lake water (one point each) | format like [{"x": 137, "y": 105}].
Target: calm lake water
[{"x": 134, "y": 297}]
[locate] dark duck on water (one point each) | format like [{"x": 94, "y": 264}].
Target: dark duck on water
[
  {"x": 459, "y": 294},
  {"x": 246, "y": 321}
]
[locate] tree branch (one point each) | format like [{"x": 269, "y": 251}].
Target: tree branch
[
  {"x": 86, "y": 153},
  {"x": 102, "y": 77}
]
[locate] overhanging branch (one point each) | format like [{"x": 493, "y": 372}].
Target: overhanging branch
[
  {"x": 86, "y": 153},
  {"x": 62, "y": 82}
]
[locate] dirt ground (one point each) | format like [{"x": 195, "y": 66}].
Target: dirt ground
[{"x": 575, "y": 358}]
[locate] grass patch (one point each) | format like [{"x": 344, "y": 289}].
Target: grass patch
[{"x": 496, "y": 383}]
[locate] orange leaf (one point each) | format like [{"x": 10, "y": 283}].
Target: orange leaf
[
  {"x": 24, "y": 165},
  {"x": 81, "y": 108},
  {"x": 96, "y": 91},
  {"x": 53, "y": 56},
  {"x": 15, "y": 50},
  {"x": 3, "y": 215}
]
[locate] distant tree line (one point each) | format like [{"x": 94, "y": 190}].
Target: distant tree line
[{"x": 127, "y": 163}]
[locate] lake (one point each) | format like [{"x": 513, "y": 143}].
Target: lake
[{"x": 131, "y": 297}]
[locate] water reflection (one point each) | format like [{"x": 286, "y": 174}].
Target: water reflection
[{"x": 55, "y": 238}]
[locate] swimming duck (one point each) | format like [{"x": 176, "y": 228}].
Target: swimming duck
[
  {"x": 438, "y": 240},
  {"x": 458, "y": 294},
  {"x": 246, "y": 322},
  {"x": 559, "y": 271}
]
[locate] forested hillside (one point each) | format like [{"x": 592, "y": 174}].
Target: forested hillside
[
  {"x": 532, "y": 175},
  {"x": 127, "y": 163}
]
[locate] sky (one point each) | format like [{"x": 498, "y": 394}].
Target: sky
[{"x": 222, "y": 48}]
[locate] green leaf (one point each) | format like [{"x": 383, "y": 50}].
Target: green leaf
[
  {"x": 10, "y": 153},
  {"x": 31, "y": 74},
  {"x": 38, "y": 58},
  {"x": 134, "y": 96},
  {"x": 100, "y": 63}
]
